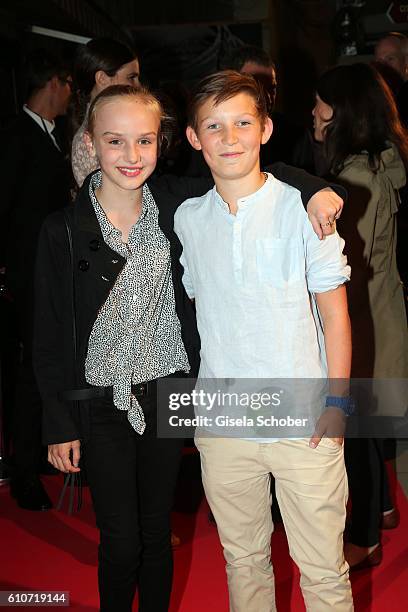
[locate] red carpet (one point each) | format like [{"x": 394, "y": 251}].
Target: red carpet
[{"x": 53, "y": 551}]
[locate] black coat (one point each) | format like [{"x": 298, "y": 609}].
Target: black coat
[
  {"x": 96, "y": 268},
  {"x": 35, "y": 180}
]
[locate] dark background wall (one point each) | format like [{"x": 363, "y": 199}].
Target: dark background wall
[{"x": 182, "y": 40}]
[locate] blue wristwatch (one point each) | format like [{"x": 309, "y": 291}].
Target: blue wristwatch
[{"x": 346, "y": 404}]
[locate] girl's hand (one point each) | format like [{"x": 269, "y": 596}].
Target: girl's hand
[
  {"x": 59, "y": 455},
  {"x": 323, "y": 209}
]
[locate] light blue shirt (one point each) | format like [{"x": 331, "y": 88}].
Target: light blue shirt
[{"x": 253, "y": 276}]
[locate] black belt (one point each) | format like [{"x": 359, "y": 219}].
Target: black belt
[{"x": 79, "y": 395}]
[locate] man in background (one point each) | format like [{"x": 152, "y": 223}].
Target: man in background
[
  {"x": 35, "y": 181},
  {"x": 392, "y": 50}
]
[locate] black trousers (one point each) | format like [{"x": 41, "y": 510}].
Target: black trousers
[
  {"x": 26, "y": 433},
  {"x": 27, "y": 446},
  {"x": 369, "y": 488},
  {"x": 132, "y": 480}
]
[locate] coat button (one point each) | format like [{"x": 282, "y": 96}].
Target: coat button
[
  {"x": 95, "y": 244},
  {"x": 83, "y": 265}
]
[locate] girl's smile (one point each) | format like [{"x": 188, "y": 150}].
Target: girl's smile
[{"x": 130, "y": 171}]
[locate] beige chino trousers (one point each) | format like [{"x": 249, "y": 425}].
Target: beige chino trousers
[{"x": 311, "y": 487}]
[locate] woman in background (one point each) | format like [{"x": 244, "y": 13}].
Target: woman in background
[
  {"x": 366, "y": 149},
  {"x": 98, "y": 64}
]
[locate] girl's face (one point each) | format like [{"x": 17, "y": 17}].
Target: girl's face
[
  {"x": 125, "y": 139},
  {"x": 323, "y": 114}
]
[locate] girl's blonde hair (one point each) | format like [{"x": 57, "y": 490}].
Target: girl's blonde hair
[{"x": 141, "y": 94}]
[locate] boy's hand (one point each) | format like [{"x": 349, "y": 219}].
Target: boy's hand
[
  {"x": 331, "y": 424},
  {"x": 323, "y": 209},
  {"x": 59, "y": 456}
]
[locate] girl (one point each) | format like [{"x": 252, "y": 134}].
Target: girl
[
  {"x": 366, "y": 147},
  {"x": 98, "y": 64},
  {"x": 112, "y": 318}
]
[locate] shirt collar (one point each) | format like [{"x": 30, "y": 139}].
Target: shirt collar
[
  {"x": 107, "y": 227},
  {"x": 245, "y": 202},
  {"x": 41, "y": 121}
]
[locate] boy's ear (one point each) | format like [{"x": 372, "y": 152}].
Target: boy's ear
[
  {"x": 267, "y": 131},
  {"x": 193, "y": 138}
]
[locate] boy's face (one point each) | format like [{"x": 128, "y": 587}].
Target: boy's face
[{"x": 230, "y": 135}]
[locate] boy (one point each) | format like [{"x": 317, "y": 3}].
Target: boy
[{"x": 251, "y": 261}]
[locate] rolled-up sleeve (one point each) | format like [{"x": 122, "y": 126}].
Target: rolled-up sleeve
[{"x": 326, "y": 264}]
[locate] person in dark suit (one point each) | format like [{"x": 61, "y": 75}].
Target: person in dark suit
[{"x": 35, "y": 179}]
